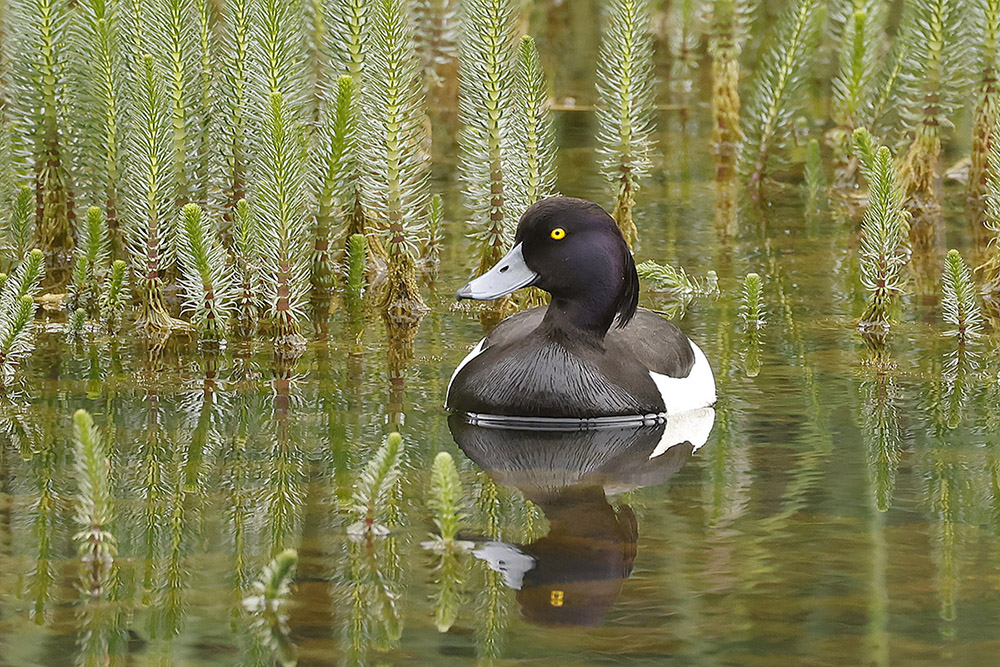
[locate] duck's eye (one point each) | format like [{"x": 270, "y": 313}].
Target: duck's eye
[{"x": 558, "y": 233}]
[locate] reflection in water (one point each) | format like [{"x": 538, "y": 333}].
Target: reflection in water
[{"x": 574, "y": 573}]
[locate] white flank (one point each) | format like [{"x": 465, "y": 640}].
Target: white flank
[
  {"x": 469, "y": 357},
  {"x": 506, "y": 559},
  {"x": 693, "y": 426},
  {"x": 697, "y": 390}
]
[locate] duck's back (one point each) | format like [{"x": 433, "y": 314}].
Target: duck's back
[{"x": 523, "y": 368}]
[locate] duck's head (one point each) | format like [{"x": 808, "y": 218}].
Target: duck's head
[{"x": 572, "y": 249}]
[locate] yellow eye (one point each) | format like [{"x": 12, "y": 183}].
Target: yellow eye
[{"x": 558, "y": 233}]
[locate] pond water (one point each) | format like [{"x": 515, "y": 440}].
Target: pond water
[{"x": 837, "y": 513}]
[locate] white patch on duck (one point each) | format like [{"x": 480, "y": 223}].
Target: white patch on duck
[
  {"x": 693, "y": 426},
  {"x": 697, "y": 390},
  {"x": 507, "y": 560},
  {"x": 469, "y": 357}
]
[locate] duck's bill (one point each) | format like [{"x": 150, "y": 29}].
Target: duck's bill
[{"x": 507, "y": 275}]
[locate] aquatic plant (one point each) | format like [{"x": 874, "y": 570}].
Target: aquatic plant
[
  {"x": 90, "y": 264},
  {"x": 19, "y": 232},
  {"x": 336, "y": 158},
  {"x": 150, "y": 200},
  {"x": 347, "y": 37},
  {"x": 775, "y": 90},
  {"x": 38, "y": 29},
  {"x": 752, "y": 302},
  {"x": 446, "y": 501},
  {"x": 284, "y": 232},
  {"x": 98, "y": 72},
  {"x": 270, "y": 594},
  {"x": 862, "y": 46},
  {"x": 114, "y": 296},
  {"x": 813, "y": 176},
  {"x": 880, "y": 415},
  {"x": 727, "y": 33},
  {"x": 625, "y": 91},
  {"x": 355, "y": 284},
  {"x": 985, "y": 34},
  {"x": 446, "y": 498},
  {"x": 684, "y": 32},
  {"x": 373, "y": 493},
  {"x": 436, "y": 29},
  {"x": 17, "y": 313},
  {"x": 884, "y": 252},
  {"x": 77, "y": 323},
  {"x": 488, "y": 142},
  {"x": 395, "y": 186},
  {"x": 435, "y": 237},
  {"x": 93, "y": 512},
  {"x": 959, "y": 304},
  {"x": 234, "y": 101},
  {"x": 934, "y": 79},
  {"x": 534, "y": 126},
  {"x": 676, "y": 280},
  {"x": 205, "y": 278},
  {"x": 246, "y": 268}
]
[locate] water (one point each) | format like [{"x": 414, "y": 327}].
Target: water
[{"x": 836, "y": 514}]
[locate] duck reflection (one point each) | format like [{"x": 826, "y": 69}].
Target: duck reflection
[{"x": 573, "y": 574}]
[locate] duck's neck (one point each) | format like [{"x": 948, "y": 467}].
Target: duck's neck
[{"x": 575, "y": 316}]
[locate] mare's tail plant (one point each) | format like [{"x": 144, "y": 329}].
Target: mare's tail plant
[
  {"x": 114, "y": 297},
  {"x": 91, "y": 264},
  {"x": 959, "y": 304},
  {"x": 38, "y": 32},
  {"x": 99, "y": 75},
  {"x": 266, "y": 603},
  {"x": 936, "y": 34},
  {"x": 986, "y": 33},
  {"x": 17, "y": 313},
  {"x": 815, "y": 179},
  {"x": 336, "y": 157},
  {"x": 94, "y": 513},
  {"x": 19, "y": 233},
  {"x": 150, "y": 199},
  {"x": 625, "y": 91},
  {"x": 247, "y": 245},
  {"x": 374, "y": 494},
  {"x": 205, "y": 278},
  {"x": 775, "y": 92},
  {"x": 884, "y": 249},
  {"x": 488, "y": 145},
  {"x": 534, "y": 125},
  {"x": 862, "y": 46},
  {"x": 684, "y": 37},
  {"x": 235, "y": 140},
  {"x": 727, "y": 33},
  {"x": 396, "y": 177},
  {"x": 446, "y": 501},
  {"x": 752, "y": 314},
  {"x": 354, "y": 289}
]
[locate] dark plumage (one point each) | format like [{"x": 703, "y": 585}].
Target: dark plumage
[{"x": 567, "y": 359}]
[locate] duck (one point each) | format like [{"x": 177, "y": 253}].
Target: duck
[{"x": 591, "y": 355}]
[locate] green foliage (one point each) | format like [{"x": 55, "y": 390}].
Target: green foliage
[
  {"x": 91, "y": 263},
  {"x": 685, "y": 26},
  {"x": 247, "y": 245},
  {"x": 862, "y": 46},
  {"x": 234, "y": 101},
  {"x": 489, "y": 152},
  {"x": 373, "y": 493},
  {"x": 775, "y": 91},
  {"x": 435, "y": 235},
  {"x": 269, "y": 595},
  {"x": 98, "y": 72},
  {"x": 93, "y": 509},
  {"x": 752, "y": 302},
  {"x": 985, "y": 32},
  {"x": 625, "y": 90},
  {"x": 395, "y": 185},
  {"x": 537, "y": 179},
  {"x": 446, "y": 498},
  {"x": 336, "y": 160},
  {"x": 884, "y": 250},
  {"x": 815, "y": 179},
  {"x": 150, "y": 201},
  {"x": 114, "y": 296},
  {"x": 205, "y": 278},
  {"x": 676, "y": 280},
  {"x": 77, "y": 323},
  {"x": 19, "y": 233},
  {"x": 959, "y": 304},
  {"x": 347, "y": 37},
  {"x": 280, "y": 210},
  {"x": 355, "y": 283},
  {"x": 17, "y": 313},
  {"x": 38, "y": 31},
  {"x": 884, "y": 436}
]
